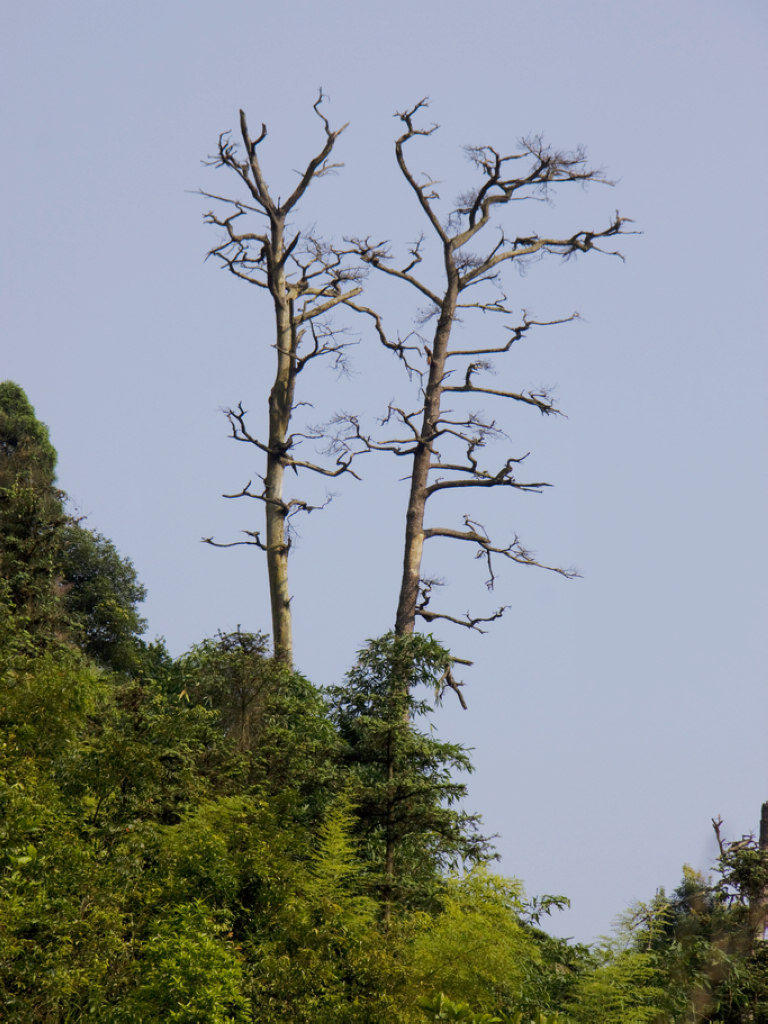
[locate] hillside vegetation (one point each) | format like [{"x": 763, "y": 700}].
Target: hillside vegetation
[{"x": 212, "y": 838}]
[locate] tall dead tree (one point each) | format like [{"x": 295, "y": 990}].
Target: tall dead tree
[
  {"x": 444, "y": 445},
  {"x": 306, "y": 279}
]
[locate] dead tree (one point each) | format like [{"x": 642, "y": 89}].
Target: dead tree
[
  {"x": 445, "y": 446},
  {"x": 305, "y": 279}
]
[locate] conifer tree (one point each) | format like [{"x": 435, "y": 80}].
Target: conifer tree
[{"x": 403, "y": 780}]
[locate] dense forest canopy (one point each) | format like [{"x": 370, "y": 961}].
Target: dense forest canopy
[{"x": 212, "y": 838}]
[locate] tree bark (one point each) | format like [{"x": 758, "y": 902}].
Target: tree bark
[
  {"x": 405, "y": 621},
  {"x": 281, "y": 399}
]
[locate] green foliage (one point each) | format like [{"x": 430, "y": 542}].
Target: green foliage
[
  {"x": 144, "y": 757},
  {"x": 61, "y": 916},
  {"x": 441, "y": 1008},
  {"x": 625, "y": 987},
  {"x": 402, "y": 779},
  {"x": 31, "y": 513},
  {"x": 189, "y": 972},
  {"x": 233, "y": 674},
  {"x": 550, "y": 978},
  {"x": 100, "y": 592},
  {"x": 334, "y": 882},
  {"x": 62, "y": 581},
  {"x": 24, "y": 440},
  {"x": 46, "y": 701},
  {"x": 319, "y": 954},
  {"x": 476, "y": 949},
  {"x": 60, "y": 923},
  {"x": 276, "y": 718},
  {"x": 234, "y": 852},
  {"x": 212, "y": 839},
  {"x": 88, "y": 772},
  {"x": 707, "y": 939}
]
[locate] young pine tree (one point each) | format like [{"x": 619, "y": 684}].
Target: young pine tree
[{"x": 402, "y": 779}]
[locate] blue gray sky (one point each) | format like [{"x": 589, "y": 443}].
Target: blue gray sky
[{"x": 611, "y": 717}]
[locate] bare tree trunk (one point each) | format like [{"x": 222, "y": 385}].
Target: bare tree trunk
[
  {"x": 280, "y": 409},
  {"x": 319, "y": 280},
  {"x": 410, "y": 584}
]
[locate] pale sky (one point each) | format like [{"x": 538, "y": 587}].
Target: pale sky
[{"x": 611, "y": 717}]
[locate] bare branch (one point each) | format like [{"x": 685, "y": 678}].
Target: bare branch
[
  {"x": 376, "y": 255},
  {"x": 449, "y": 681},
  {"x": 399, "y": 347},
  {"x": 475, "y": 533},
  {"x": 469, "y": 621},
  {"x": 315, "y": 311},
  {"x": 548, "y": 167},
  {"x": 516, "y": 334},
  {"x": 342, "y": 466},
  {"x": 541, "y": 400},
  {"x": 717, "y": 824},
  {"x": 424, "y": 193},
  {"x": 504, "y": 477},
  {"x": 287, "y": 509},
  {"x": 325, "y": 342},
  {"x": 581, "y": 241},
  {"x": 255, "y": 541},
  {"x": 241, "y": 433},
  {"x": 349, "y": 437}
]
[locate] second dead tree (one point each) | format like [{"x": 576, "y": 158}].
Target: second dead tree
[
  {"x": 431, "y": 433},
  {"x": 305, "y": 279}
]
